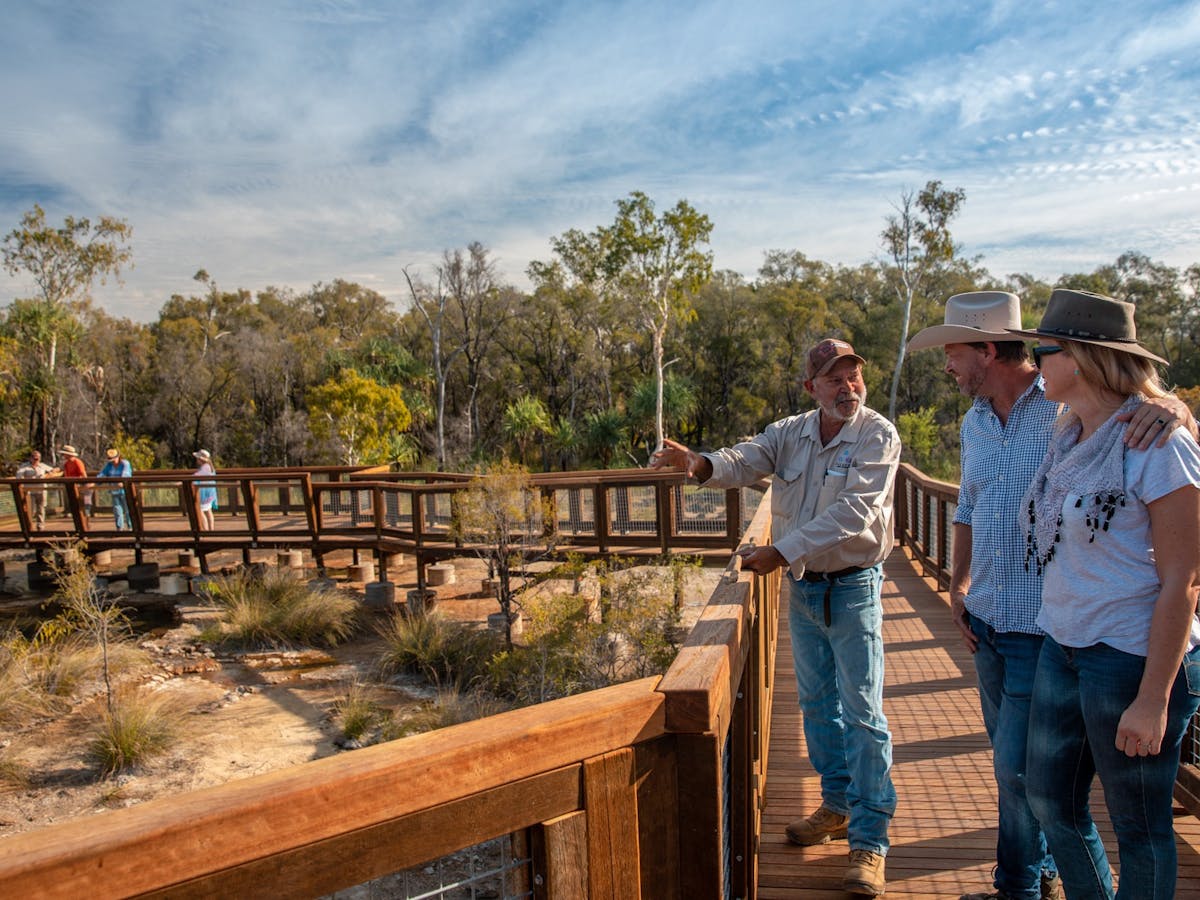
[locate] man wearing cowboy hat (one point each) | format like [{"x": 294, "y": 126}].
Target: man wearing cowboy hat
[
  {"x": 73, "y": 467},
  {"x": 993, "y": 599}
]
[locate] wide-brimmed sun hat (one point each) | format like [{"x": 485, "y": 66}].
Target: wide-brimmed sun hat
[
  {"x": 111, "y": 453},
  {"x": 203, "y": 455},
  {"x": 973, "y": 317},
  {"x": 67, "y": 450},
  {"x": 1090, "y": 319}
]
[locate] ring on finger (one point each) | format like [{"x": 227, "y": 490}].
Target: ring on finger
[{"x": 1161, "y": 421}]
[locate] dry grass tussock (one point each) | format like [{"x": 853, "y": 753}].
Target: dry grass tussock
[{"x": 280, "y": 609}]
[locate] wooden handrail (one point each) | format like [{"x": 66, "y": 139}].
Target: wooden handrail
[{"x": 627, "y": 782}]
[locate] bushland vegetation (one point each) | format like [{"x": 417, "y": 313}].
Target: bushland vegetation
[{"x": 629, "y": 329}]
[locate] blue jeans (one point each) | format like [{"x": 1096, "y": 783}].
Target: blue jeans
[
  {"x": 839, "y": 677},
  {"x": 1005, "y": 663},
  {"x": 1078, "y": 698},
  {"x": 120, "y": 511}
]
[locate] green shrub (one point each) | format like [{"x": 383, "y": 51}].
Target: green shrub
[
  {"x": 135, "y": 726},
  {"x": 280, "y": 608},
  {"x": 442, "y": 650}
]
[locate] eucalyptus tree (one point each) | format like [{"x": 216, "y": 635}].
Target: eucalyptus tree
[
  {"x": 63, "y": 263},
  {"x": 917, "y": 241},
  {"x": 723, "y": 350},
  {"x": 198, "y": 366},
  {"x": 481, "y": 308},
  {"x": 551, "y": 346},
  {"x": 652, "y": 264},
  {"x": 794, "y": 294},
  {"x": 432, "y": 304}
]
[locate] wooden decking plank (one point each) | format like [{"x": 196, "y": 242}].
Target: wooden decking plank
[{"x": 944, "y": 834}]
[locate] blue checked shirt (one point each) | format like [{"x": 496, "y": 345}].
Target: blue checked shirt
[{"x": 998, "y": 462}]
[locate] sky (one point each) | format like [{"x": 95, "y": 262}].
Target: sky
[{"x": 283, "y": 144}]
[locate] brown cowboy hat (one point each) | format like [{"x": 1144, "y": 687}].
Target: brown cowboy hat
[{"x": 1090, "y": 319}]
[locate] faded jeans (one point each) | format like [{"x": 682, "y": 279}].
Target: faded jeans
[
  {"x": 1005, "y": 663},
  {"x": 1078, "y": 698},
  {"x": 120, "y": 511},
  {"x": 839, "y": 678}
]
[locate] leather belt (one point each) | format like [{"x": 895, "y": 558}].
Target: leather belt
[{"x": 830, "y": 576}]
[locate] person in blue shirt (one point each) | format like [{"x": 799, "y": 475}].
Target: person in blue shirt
[
  {"x": 116, "y": 467},
  {"x": 994, "y": 600}
]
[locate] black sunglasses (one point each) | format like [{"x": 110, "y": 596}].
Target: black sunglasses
[{"x": 1039, "y": 352}]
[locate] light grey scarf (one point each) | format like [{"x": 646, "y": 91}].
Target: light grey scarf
[{"x": 1093, "y": 470}]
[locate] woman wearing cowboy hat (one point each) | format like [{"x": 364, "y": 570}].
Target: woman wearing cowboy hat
[{"x": 1115, "y": 535}]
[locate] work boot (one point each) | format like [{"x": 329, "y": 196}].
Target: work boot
[
  {"x": 821, "y": 827},
  {"x": 1051, "y": 886},
  {"x": 864, "y": 875},
  {"x": 1051, "y": 889}
]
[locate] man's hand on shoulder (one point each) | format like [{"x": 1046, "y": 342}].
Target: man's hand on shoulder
[{"x": 1151, "y": 423}]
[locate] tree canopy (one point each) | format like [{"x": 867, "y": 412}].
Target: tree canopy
[{"x": 626, "y": 334}]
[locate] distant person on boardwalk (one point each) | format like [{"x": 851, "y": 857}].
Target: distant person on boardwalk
[
  {"x": 1115, "y": 536},
  {"x": 831, "y": 498},
  {"x": 994, "y": 600},
  {"x": 206, "y": 491},
  {"x": 118, "y": 468},
  {"x": 33, "y": 467},
  {"x": 73, "y": 467}
]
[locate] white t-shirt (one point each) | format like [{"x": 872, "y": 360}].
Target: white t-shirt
[{"x": 1104, "y": 591}]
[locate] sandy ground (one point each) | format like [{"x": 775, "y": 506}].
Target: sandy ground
[{"x": 239, "y": 715}]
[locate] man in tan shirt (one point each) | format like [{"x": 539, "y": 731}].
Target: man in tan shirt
[{"x": 832, "y": 471}]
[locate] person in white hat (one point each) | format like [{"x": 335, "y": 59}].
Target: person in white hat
[
  {"x": 116, "y": 467},
  {"x": 73, "y": 467},
  {"x": 832, "y": 471},
  {"x": 994, "y": 600},
  {"x": 206, "y": 491}
]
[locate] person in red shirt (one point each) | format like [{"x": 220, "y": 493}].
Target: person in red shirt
[{"x": 73, "y": 467}]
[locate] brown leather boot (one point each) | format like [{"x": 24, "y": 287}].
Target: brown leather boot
[
  {"x": 821, "y": 827},
  {"x": 864, "y": 875}
]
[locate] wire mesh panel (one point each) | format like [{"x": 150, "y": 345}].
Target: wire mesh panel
[
  {"x": 348, "y": 507},
  {"x": 700, "y": 510},
  {"x": 575, "y": 511},
  {"x": 437, "y": 513},
  {"x": 632, "y": 510},
  {"x": 499, "y": 869}
]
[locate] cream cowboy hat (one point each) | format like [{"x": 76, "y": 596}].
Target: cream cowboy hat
[
  {"x": 973, "y": 317},
  {"x": 1090, "y": 319},
  {"x": 67, "y": 450}
]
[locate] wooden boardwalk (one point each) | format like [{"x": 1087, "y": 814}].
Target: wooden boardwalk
[{"x": 944, "y": 834}]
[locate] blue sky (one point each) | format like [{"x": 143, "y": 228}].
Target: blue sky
[{"x": 286, "y": 143}]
